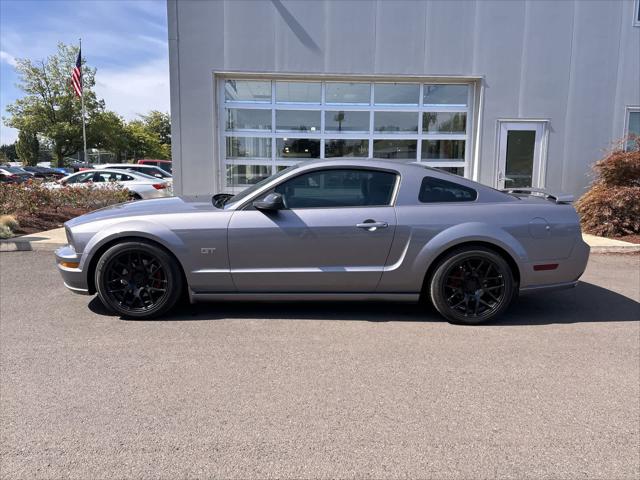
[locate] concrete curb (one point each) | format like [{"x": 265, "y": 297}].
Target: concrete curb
[{"x": 631, "y": 249}]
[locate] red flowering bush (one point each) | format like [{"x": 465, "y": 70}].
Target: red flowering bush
[
  {"x": 611, "y": 207},
  {"x": 38, "y": 207}
]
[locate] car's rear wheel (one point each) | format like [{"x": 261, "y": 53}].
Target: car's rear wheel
[
  {"x": 472, "y": 285},
  {"x": 138, "y": 280}
]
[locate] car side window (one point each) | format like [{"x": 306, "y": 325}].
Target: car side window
[
  {"x": 435, "y": 190},
  {"x": 80, "y": 178},
  {"x": 338, "y": 188},
  {"x": 111, "y": 177}
]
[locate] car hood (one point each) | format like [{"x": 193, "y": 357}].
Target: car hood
[{"x": 157, "y": 206}]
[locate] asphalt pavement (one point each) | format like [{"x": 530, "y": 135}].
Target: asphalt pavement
[{"x": 551, "y": 390}]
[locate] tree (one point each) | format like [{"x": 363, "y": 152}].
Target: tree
[
  {"x": 159, "y": 124},
  {"x": 109, "y": 132},
  {"x": 136, "y": 139},
  {"x": 9, "y": 152},
  {"x": 142, "y": 143},
  {"x": 50, "y": 106},
  {"x": 27, "y": 147}
]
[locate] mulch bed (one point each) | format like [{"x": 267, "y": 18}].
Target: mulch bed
[{"x": 46, "y": 220}]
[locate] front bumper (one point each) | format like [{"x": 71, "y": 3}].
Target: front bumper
[{"x": 74, "y": 278}]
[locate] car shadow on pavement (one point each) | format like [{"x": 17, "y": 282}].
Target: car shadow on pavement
[{"x": 585, "y": 303}]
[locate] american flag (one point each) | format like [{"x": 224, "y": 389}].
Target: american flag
[{"x": 76, "y": 76}]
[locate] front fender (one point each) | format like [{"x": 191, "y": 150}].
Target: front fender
[{"x": 134, "y": 228}]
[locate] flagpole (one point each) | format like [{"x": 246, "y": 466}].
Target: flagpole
[{"x": 84, "y": 128}]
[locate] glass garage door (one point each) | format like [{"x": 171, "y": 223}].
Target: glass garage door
[{"x": 267, "y": 125}]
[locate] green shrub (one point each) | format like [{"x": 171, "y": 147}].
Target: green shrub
[{"x": 611, "y": 207}]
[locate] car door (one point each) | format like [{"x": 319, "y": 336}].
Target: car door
[{"x": 334, "y": 234}]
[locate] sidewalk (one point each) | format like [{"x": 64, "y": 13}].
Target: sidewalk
[
  {"x": 49, "y": 240},
  {"x": 53, "y": 239}
]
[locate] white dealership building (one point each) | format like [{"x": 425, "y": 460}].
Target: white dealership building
[{"x": 508, "y": 93}]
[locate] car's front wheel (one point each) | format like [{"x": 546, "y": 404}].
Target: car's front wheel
[
  {"x": 472, "y": 285},
  {"x": 138, "y": 280}
]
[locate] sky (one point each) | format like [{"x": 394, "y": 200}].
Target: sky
[{"x": 125, "y": 40}]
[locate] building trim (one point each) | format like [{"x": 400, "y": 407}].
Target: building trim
[{"x": 342, "y": 76}]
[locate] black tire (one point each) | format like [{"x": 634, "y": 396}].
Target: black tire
[
  {"x": 138, "y": 280},
  {"x": 472, "y": 285},
  {"x": 134, "y": 196}
]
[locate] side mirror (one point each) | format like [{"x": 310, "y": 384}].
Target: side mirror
[{"x": 273, "y": 201}]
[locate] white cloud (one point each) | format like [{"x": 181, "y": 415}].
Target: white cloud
[
  {"x": 136, "y": 90},
  {"x": 7, "y": 58},
  {"x": 7, "y": 135}
]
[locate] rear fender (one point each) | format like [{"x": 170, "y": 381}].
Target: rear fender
[{"x": 466, "y": 233}]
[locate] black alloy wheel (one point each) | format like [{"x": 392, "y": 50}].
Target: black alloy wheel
[
  {"x": 471, "y": 286},
  {"x": 138, "y": 280}
]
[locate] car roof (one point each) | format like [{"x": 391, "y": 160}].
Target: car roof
[
  {"x": 406, "y": 167},
  {"x": 105, "y": 170},
  {"x": 124, "y": 165}
]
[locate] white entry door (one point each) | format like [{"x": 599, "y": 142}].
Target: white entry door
[{"x": 521, "y": 154}]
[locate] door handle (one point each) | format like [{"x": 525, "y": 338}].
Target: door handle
[{"x": 372, "y": 225}]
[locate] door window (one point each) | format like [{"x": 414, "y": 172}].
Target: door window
[
  {"x": 521, "y": 145},
  {"x": 632, "y": 129},
  {"x": 101, "y": 177},
  {"x": 338, "y": 188},
  {"x": 80, "y": 178},
  {"x": 522, "y": 154}
]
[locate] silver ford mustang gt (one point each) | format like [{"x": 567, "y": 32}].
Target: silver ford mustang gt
[{"x": 345, "y": 229}]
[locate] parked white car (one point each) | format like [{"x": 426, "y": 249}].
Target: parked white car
[
  {"x": 151, "y": 170},
  {"x": 140, "y": 185}
]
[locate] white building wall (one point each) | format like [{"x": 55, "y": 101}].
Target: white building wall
[{"x": 574, "y": 63}]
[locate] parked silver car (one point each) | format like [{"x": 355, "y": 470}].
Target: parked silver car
[
  {"x": 345, "y": 229},
  {"x": 140, "y": 185}
]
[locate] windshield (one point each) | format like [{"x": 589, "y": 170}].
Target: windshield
[
  {"x": 143, "y": 175},
  {"x": 155, "y": 171},
  {"x": 253, "y": 188}
]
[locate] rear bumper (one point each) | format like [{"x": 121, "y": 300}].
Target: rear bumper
[
  {"x": 566, "y": 275},
  {"x": 74, "y": 278},
  {"x": 154, "y": 193}
]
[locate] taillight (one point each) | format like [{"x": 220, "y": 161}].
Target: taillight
[{"x": 159, "y": 186}]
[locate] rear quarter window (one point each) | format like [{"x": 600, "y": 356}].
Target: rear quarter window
[{"x": 435, "y": 190}]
